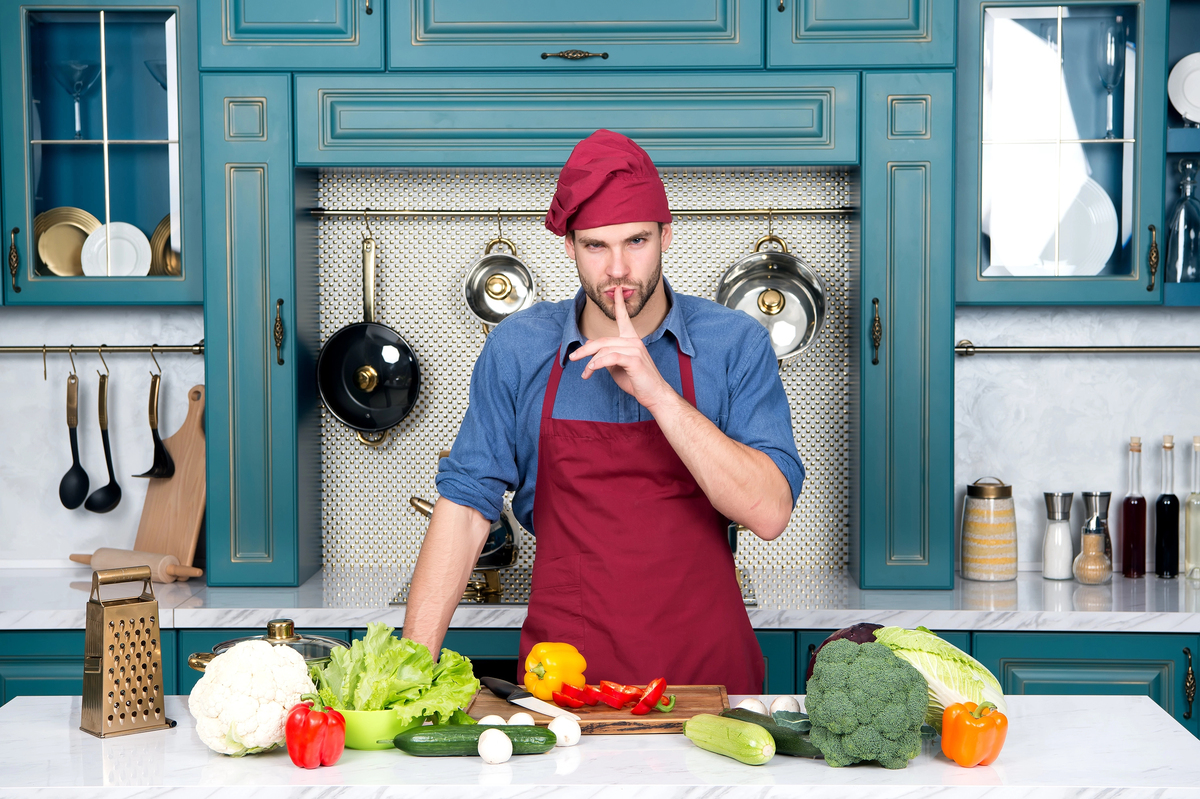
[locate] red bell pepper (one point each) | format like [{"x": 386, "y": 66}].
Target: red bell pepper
[
  {"x": 562, "y": 700},
  {"x": 650, "y": 697},
  {"x": 591, "y": 695},
  {"x": 573, "y": 692},
  {"x": 627, "y": 693},
  {"x": 315, "y": 734}
]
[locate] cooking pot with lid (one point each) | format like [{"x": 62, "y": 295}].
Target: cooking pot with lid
[
  {"x": 280, "y": 632},
  {"x": 498, "y": 285}
]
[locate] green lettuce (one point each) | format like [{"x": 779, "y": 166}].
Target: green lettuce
[
  {"x": 381, "y": 672},
  {"x": 952, "y": 675}
]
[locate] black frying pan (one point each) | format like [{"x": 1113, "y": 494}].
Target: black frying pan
[{"x": 368, "y": 375}]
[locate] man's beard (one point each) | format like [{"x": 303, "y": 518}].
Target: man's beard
[{"x": 642, "y": 292}]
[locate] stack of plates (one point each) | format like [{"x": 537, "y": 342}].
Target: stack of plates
[
  {"x": 117, "y": 249},
  {"x": 59, "y": 235},
  {"x": 72, "y": 242}
]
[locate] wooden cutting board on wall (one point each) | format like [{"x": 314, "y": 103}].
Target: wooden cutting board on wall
[
  {"x": 174, "y": 508},
  {"x": 690, "y": 700}
]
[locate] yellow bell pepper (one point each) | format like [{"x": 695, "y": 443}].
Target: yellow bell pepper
[{"x": 549, "y": 665}]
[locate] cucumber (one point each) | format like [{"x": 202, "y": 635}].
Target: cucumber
[
  {"x": 446, "y": 740},
  {"x": 787, "y": 741},
  {"x": 741, "y": 740}
]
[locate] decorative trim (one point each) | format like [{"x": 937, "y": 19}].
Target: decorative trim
[
  {"x": 237, "y": 30},
  {"x": 250, "y": 112},
  {"x": 852, "y": 22},
  {"x": 910, "y": 116}
]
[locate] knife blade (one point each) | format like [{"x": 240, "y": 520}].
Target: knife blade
[{"x": 518, "y": 696}]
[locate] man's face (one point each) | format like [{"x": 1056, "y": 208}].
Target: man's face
[{"x": 626, "y": 257}]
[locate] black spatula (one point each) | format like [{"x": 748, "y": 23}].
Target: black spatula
[{"x": 162, "y": 466}]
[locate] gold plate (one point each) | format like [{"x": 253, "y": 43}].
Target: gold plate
[
  {"x": 58, "y": 236},
  {"x": 164, "y": 260}
]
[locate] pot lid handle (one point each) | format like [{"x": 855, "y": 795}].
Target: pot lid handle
[
  {"x": 772, "y": 238},
  {"x": 280, "y": 630}
]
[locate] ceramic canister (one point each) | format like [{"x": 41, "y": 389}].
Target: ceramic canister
[{"x": 989, "y": 531}]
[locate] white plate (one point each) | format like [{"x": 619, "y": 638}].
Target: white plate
[
  {"x": 1183, "y": 87},
  {"x": 1087, "y": 235},
  {"x": 130, "y": 251}
]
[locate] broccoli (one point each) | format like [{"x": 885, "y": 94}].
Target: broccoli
[{"x": 865, "y": 704}]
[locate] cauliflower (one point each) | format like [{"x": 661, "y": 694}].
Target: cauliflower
[{"x": 242, "y": 701}]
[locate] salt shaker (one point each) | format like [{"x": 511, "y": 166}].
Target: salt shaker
[
  {"x": 1058, "y": 553},
  {"x": 989, "y": 532}
]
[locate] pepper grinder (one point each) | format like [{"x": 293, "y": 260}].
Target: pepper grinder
[
  {"x": 1093, "y": 565},
  {"x": 1095, "y": 503},
  {"x": 1057, "y": 549}
]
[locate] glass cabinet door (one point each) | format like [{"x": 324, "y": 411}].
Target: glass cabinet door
[
  {"x": 1059, "y": 210},
  {"x": 103, "y": 183}
]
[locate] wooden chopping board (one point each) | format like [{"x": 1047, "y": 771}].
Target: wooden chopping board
[
  {"x": 690, "y": 700},
  {"x": 174, "y": 508}
]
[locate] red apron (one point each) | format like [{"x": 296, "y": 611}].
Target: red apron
[{"x": 633, "y": 564}]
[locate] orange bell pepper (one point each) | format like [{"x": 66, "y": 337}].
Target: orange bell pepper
[
  {"x": 549, "y": 665},
  {"x": 973, "y": 735}
]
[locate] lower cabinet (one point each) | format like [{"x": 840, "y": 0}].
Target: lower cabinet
[
  {"x": 1157, "y": 666},
  {"x": 191, "y": 641}
]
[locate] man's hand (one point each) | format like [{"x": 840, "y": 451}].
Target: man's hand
[{"x": 626, "y": 359}]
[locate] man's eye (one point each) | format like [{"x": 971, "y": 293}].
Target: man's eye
[{"x": 638, "y": 240}]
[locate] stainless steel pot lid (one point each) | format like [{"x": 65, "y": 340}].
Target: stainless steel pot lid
[
  {"x": 280, "y": 632},
  {"x": 498, "y": 284},
  {"x": 783, "y": 292}
]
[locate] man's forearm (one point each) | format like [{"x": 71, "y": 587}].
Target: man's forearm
[
  {"x": 742, "y": 483},
  {"x": 452, "y": 545}
]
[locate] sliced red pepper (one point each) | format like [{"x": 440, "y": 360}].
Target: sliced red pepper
[
  {"x": 650, "y": 697},
  {"x": 666, "y": 705},
  {"x": 591, "y": 694},
  {"x": 615, "y": 702},
  {"x": 562, "y": 700},
  {"x": 573, "y": 692},
  {"x": 629, "y": 693}
]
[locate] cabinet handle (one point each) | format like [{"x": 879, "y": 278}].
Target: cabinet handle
[
  {"x": 876, "y": 333},
  {"x": 1152, "y": 258},
  {"x": 14, "y": 260},
  {"x": 781, "y": 8},
  {"x": 1189, "y": 684},
  {"x": 369, "y": 9},
  {"x": 278, "y": 331},
  {"x": 573, "y": 55}
]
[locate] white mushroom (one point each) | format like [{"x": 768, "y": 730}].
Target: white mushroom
[
  {"x": 494, "y": 746},
  {"x": 785, "y": 702},
  {"x": 521, "y": 720},
  {"x": 493, "y": 720},
  {"x": 750, "y": 703},
  {"x": 566, "y": 730}
]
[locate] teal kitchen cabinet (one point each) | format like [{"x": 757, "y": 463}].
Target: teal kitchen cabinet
[
  {"x": 296, "y": 35},
  {"x": 860, "y": 33},
  {"x": 807, "y": 642},
  {"x": 101, "y": 176},
  {"x": 906, "y": 319},
  {"x": 681, "y": 120},
  {"x": 1061, "y": 135},
  {"x": 50, "y": 663},
  {"x": 1157, "y": 666},
  {"x": 550, "y": 35},
  {"x": 779, "y": 655},
  {"x": 193, "y": 641},
  {"x": 263, "y": 513}
]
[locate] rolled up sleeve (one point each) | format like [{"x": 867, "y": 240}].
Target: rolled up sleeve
[{"x": 759, "y": 414}]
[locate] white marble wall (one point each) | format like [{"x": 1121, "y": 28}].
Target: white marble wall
[
  {"x": 1063, "y": 422},
  {"x": 35, "y": 529}
]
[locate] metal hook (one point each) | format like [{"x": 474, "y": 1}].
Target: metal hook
[
  {"x": 770, "y": 221},
  {"x": 155, "y": 360},
  {"x": 44, "y": 362},
  {"x": 367, "y": 222},
  {"x": 100, "y": 352},
  {"x": 499, "y": 226},
  {"x": 71, "y": 352}
]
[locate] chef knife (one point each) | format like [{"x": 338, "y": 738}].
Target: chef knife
[{"x": 518, "y": 696}]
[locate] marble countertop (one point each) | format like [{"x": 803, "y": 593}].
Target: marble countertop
[
  {"x": 39, "y": 599},
  {"x": 1058, "y": 746}
]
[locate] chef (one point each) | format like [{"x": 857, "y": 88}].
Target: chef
[{"x": 631, "y": 422}]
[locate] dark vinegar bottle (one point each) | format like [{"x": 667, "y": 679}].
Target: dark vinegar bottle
[
  {"x": 1133, "y": 517},
  {"x": 1166, "y": 516}
]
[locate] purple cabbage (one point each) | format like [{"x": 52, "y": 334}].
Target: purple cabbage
[{"x": 861, "y": 633}]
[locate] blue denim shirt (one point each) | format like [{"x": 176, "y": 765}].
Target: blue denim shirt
[{"x": 734, "y": 368}]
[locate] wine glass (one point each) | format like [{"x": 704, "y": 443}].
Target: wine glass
[
  {"x": 1112, "y": 64},
  {"x": 158, "y": 68},
  {"x": 76, "y": 77}
]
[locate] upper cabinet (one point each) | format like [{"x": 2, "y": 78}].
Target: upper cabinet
[
  {"x": 293, "y": 35},
  {"x": 860, "y": 33},
  {"x": 1060, "y": 153},
  {"x": 555, "y": 35},
  {"x": 101, "y": 157}
]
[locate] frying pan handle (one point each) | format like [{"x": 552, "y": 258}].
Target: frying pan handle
[
  {"x": 370, "y": 247},
  {"x": 772, "y": 238},
  {"x": 377, "y": 441}
]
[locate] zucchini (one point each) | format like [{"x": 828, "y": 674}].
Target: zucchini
[
  {"x": 741, "y": 740},
  {"x": 446, "y": 740},
  {"x": 788, "y": 741}
]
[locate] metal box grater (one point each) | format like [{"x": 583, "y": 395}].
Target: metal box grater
[{"x": 122, "y": 663}]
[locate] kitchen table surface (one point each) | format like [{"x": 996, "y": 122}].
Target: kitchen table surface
[
  {"x": 1110, "y": 746},
  {"x": 45, "y": 599}
]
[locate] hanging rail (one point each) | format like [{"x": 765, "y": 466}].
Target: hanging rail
[
  {"x": 323, "y": 212},
  {"x": 966, "y": 349},
  {"x": 84, "y": 349}
]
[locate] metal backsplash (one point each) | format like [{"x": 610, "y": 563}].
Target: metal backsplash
[{"x": 370, "y": 531}]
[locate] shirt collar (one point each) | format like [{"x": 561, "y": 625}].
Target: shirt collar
[{"x": 673, "y": 324}]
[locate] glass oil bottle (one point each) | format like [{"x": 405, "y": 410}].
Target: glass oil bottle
[
  {"x": 1166, "y": 516},
  {"x": 1133, "y": 517},
  {"x": 1191, "y": 543}
]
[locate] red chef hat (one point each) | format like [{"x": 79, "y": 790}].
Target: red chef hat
[{"x": 608, "y": 180}]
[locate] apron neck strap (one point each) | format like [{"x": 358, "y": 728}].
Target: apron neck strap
[{"x": 685, "y": 378}]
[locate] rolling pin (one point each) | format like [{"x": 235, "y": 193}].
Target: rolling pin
[{"x": 163, "y": 568}]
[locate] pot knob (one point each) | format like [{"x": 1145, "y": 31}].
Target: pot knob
[
  {"x": 367, "y": 378},
  {"x": 771, "y": 302},
  {"x": 498, "y": 287}
]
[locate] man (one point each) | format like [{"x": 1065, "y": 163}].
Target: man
[{"x": 631, "y": 422}]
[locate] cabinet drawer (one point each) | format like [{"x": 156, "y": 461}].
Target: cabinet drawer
[
  {"x": 1106, "y": 664},
  {"x": 686, "y": 120},
  {"x": 296, "y": 35},
  {"x": 50, "y": 663},
  {"x": 826, "y": 33},
  {"x": 624, "y": 34}
]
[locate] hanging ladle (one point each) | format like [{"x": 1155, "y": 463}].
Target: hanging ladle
[
  {"x": 74, "y": 485},
  {"x": 106, "y": 497},
  {"x": 162, "y": 466}
]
